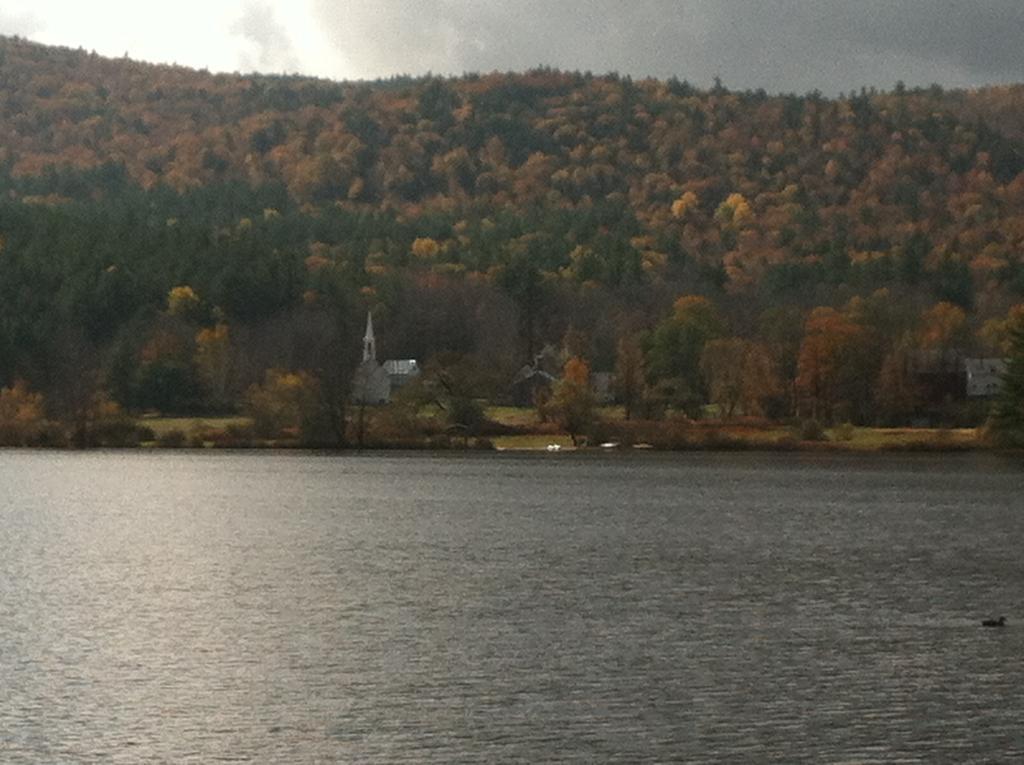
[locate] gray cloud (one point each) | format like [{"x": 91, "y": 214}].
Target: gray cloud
[
  {"x": 273, "y": 51},
  {"x": 780, "y": 45}
]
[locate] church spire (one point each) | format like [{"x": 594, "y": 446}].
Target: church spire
[{"x": 369, "y": 343}]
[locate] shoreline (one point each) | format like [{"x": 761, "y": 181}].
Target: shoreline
[
  {"x": 518, "y": 430},
  {"x": 794, "y": 447}
]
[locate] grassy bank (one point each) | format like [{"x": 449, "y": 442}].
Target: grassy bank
[
  {"x": 514, "y": 428},
  {"x": 683, "y": 434},
  {"x": 162, "y": 426}
]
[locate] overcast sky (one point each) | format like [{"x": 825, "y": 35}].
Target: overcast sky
[{"x": 778, "y": 45}]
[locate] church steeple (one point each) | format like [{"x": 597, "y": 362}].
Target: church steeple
[{"x": 369, "y": 342}]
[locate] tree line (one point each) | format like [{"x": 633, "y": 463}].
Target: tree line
[{"x": 177, "y": 241}]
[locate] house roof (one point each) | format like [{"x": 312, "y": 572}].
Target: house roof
[
  {"x": 528, "y": 372},
  {"x": 985, "y": 366}
]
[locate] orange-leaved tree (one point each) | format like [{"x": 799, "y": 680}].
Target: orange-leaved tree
[
  {"x": 21, "y": 414},
  {"x": 825, "y": 368},
  {"x": 287, "y": 404},
  {"x": 573, "y": 401},
  {"x": 739, "y": 373}
]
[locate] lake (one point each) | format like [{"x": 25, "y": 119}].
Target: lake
[{"x": 284, "y": 607}]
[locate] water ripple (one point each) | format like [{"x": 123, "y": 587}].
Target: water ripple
[{"x": 702, "y": 608}]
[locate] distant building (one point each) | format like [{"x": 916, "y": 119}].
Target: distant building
[
  {"x": 373, "y": 383},
  {"x": 401, "y": 371},
  {"x": 538, "y": 379},
  {"x": 550, "y": 360},
  {"x": 984, "y": 377},
  {"x": 530, "y": 383}
]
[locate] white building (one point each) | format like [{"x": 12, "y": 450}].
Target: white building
[
  {"x": 370, "y": 384},
  {"x": 984, "y": 377},
  {"x": 401, "y": 371},
  {"x": 373, "y": 382}
]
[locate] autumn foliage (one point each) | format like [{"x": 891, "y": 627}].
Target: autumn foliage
[
  {"x": 21, "y": 415},
  {"x": 573, "y": 401},
  {"x": 168, "y": 236}
]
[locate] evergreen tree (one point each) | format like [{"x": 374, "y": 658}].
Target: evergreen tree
[{"x": 1007, "y": 422}]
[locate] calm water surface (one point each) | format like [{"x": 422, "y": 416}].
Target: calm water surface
[{"x": 179, "y": 607}]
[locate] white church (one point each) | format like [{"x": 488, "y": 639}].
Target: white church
[{"x": 373, "y": 382}]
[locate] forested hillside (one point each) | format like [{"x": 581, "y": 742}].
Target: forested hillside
[{"x": 167, "y": 236}]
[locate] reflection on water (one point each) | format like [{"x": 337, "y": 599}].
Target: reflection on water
[{"x": 706, "y": 608}]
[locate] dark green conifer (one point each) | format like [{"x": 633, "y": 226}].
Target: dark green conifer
[{"x": 1007, "y": 423}]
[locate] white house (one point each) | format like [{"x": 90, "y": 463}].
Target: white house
[{"x": 984, "y": 377}]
